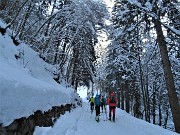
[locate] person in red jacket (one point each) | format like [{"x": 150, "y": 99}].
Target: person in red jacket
[{"x": 111, "y": 101}]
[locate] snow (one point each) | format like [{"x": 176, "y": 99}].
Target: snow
[
  {"x": 177, "y": 32},
  {"x": 82, "y": 91},
  {"x": 25, "y": 84},
  {"x": 81, "y": 122}
]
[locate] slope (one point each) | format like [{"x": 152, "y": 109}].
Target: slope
[
  {"x": 25, "y": 84},
  {"x": 80, "y": 122}
]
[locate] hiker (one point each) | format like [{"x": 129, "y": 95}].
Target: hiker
[
  {"x": 111, "y": 101},
  {"x": 97, "y": 107},
  {"x": 91, "y": 101},
  {"x": 103, "y": 103}
]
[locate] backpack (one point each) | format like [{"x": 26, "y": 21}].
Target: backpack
[
  {"x": 91, "y": 100},
  {"x": 97, "y": 100},
  {"x": 103, "y": 100},
  {"x": 112, "y": 99}
]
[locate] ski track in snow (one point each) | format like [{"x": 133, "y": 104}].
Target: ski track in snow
[{"x": 80, "y": 122}]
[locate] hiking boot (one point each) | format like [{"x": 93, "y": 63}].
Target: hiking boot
[
  {"x": 114, "y": 119},
  {"x": 110, "y": 119},
  {"x": 97, "y": 118}
]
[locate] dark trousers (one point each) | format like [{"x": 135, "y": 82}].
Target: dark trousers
[
  {"x": 97, "y": 107},
  {"x": 103, "y": 107},
  {"x": 112, "y": 109},
  {"x": 92, "y": 106}
]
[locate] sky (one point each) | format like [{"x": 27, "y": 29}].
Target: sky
[{"x": 109, "y": 3}]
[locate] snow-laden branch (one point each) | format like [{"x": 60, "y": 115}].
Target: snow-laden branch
[
  {"x": 89, "y": 67},
  {"x": 173, "y": 30},
  {"x": 46, "y": 22},
  {"x": 149, "y": 12},
  {"x": 9, "y": 25}
]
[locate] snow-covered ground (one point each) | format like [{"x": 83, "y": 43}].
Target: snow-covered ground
[
  {"x": 81, "y": 122},
  {"x": 25, "y": 84}
]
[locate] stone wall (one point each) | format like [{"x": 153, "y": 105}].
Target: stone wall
[{"x": 26, "y": 126}]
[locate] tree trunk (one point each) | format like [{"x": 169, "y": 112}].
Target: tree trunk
[
  {"x": 142, "y": 86},
  {"x": 154, "y": 104},
  {"x": 118, "y": 97},
  {"x": 24, "y": 21},
  {"x": 166, "y": 119},
  {"x": 147, "y": 99},
  {"x": 160, "y": 114},
  {"x": 118, "y": 93},
  {"x": 173, "y": 99},
  {"x": 122, "y": 97},
  {"x": 49, "y": 21},
  {"x": 136, "y": 107},
  {"x": 11, "y": 23},
  {"x": 127, "y": 96}
]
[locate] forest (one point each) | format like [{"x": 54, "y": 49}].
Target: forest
[{"x": 141, "y": 63}]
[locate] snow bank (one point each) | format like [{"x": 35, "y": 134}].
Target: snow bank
[
  {"x": 81, "y": 122},
  {"x": 25, "y": 85}
]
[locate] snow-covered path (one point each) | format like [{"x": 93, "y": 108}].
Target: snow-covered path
[{"x": 80, "y": 122}]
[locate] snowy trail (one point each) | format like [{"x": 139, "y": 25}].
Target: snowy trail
[{"x": 80, "y": 122}]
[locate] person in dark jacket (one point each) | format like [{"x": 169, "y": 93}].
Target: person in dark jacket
[
  {"x": 97, "y": 107},
  {"x": 103, "y": 103}
]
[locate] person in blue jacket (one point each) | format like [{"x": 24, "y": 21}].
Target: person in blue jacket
[
  {"x": 97, "y": 107},
  {"x": 103, "y": 103}
]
